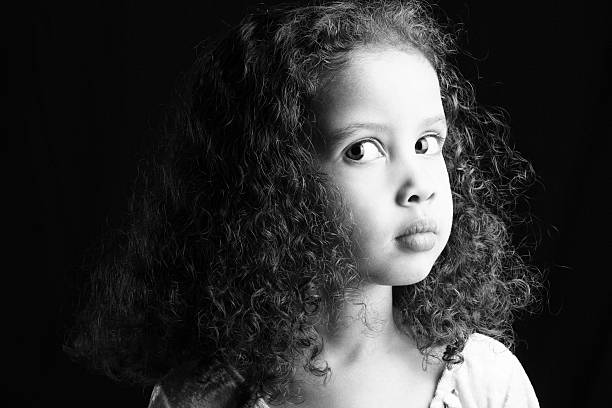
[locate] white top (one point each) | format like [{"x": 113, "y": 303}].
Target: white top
[{"x": 490, "y": 377}]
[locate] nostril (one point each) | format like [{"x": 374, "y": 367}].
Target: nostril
[
  {"x": 413, "y": 199},
  {"x": 416, "y": 198}
]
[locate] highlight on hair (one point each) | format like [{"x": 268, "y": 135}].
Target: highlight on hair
[{"x": 236, "y": 245}]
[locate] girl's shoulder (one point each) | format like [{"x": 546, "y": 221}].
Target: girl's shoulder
[
  {"x": 481, "y": 351},
  {"x": 197, "y": 385},
  {"x": 490, "y": 376}
]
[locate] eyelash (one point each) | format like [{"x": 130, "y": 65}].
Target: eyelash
[
  {"x": 376, "y": 142},
  {"x": 439, "y": 139}
]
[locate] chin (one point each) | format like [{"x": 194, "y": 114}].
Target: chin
[
  {"x": 399, "y": 268},
  {"x": 403, "y": 275}
]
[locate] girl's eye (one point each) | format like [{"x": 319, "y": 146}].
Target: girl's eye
[
  {"x": 429, "y": 144},
  {"x": 364, "y": 151}
]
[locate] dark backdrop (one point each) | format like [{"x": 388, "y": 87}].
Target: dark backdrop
[{"x": 97, "y": 76}]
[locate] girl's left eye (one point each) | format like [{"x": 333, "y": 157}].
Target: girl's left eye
[
  {"x": 364, "y": 151},
  {"x": 430, "y": 144}
]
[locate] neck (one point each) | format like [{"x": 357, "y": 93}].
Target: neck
[
  {"x": 366, "y": 328},
  {"x": 368, "y": 354}
]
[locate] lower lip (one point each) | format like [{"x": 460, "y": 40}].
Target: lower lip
[{"x": 422, "y": 241}]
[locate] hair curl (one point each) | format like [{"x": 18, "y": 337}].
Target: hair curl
[{"x": 236, "y": 246}]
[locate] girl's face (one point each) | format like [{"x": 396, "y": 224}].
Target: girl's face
[{"x": 383, "y": 128}]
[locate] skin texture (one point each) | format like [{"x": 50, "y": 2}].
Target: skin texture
[
  {"x": 385, "y": 106},
  {"x": 390, "y": 103}
]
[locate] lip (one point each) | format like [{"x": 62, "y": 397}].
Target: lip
[
  {"x": 419, "y": 235},
  {"x": 422, "y": 225}
]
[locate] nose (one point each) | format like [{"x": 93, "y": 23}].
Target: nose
[{"x": 416, "y": 186}]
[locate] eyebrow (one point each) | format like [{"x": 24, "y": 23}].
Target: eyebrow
[
  {"x": 433, "y": 120},
  {"x": 338, "y": 135},
  {"x": 346, "y": 131}
]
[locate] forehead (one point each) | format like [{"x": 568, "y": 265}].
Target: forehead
[{"x": 396, "y": 87}]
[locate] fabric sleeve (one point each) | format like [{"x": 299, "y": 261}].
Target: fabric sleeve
[
  {"x": 490, "y": 377},
  {"x": 520, "y": 393},
  {"x": 158, "y": 398},
  {"x": 194, "y": 386}
]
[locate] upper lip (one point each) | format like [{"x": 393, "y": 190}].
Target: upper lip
[{"x": 419, "y": 226}]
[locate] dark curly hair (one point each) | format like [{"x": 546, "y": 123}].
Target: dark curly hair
[{"x": 236, "y": 245}]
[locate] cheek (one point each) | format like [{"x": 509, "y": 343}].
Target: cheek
[
  {"x": 361, "y": 191},
  {"x": 445, "y": 189},
  {"x": 370, "y": 208},
  {"x": 445, "y": 201},
  {"x": 368, "y": 213}
]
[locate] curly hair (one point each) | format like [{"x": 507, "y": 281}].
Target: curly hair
[{"x": 236, "y": 245}]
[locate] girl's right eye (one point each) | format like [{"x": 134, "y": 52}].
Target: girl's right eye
[{"x": 364, "y": 151}]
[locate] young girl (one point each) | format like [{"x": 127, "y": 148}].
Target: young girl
[{"x": 325, "y": 225}]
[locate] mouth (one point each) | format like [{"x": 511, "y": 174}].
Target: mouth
[{"x": 418, "y": 236}]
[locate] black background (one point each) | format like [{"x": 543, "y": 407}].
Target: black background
[{"x": 96, "y": 76}]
